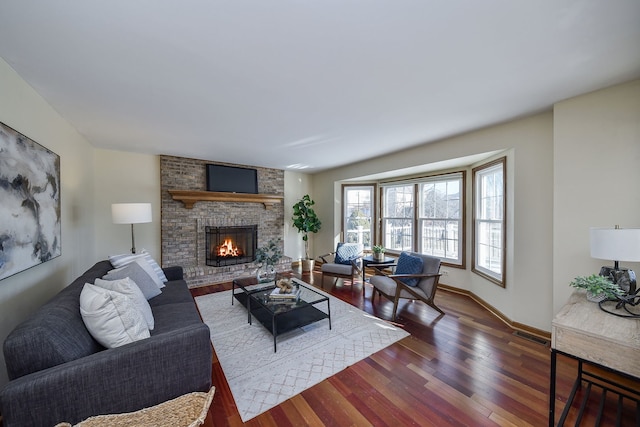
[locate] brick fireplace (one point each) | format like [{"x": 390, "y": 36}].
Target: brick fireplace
[{"x": 183, "y": 230}]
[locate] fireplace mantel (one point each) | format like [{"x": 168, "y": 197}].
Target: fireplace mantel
[{"x": 189, "y": 198}]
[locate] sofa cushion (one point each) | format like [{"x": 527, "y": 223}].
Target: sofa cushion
[
  {"x": 129, "y": 288},
  {"x": 172, "y": 317},
  {"x": 175, "y": 292},
  {"x": 141, "y": 277},
  {"x": 111, "y": 317}
]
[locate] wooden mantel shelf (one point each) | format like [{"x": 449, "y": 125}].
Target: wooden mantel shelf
[{"x": 189, "y": 198}]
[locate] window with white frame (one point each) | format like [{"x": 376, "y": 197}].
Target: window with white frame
[
  {"x": 358, "y": 214},
  {"x": 489, "y": 220},
  {"x": 440, "y": 226},
  {"x": 398, "y": 217}
]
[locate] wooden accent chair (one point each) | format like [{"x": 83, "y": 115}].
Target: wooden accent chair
[
  {"x": 394, "y": 287},
  {"x": 345, "y": 262}
]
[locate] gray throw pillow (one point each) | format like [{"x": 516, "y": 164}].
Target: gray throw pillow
[
  {"x": 136, "y": 273},
  {"x": 121, "y": 260}
]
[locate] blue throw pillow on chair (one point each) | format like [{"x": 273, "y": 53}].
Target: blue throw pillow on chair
[
  {"x": 346, "y": 252},
  {"x": 409, "y": 264}
]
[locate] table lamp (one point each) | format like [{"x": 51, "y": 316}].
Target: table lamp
[
  {"x": 131, "y": 213},
  {"x": 617, "y": 244}
]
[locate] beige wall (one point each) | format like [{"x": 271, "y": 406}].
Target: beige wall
[
  {"x": 296, "y": 185},
  {"x": 596, "y": 177},
  {"x": 25, "y": 111},
  {"x": 123, "y": 177},
  {"x": 528, "y": 145}
]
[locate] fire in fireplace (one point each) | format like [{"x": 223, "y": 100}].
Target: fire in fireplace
[{"x": 231, "y": 245}]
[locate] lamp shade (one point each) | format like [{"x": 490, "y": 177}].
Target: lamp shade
[
  {"x": 131, "y": 213},
  {"x": 617, "y": 244}
]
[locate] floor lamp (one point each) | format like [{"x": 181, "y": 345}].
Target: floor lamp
[
  {"x": 131, "y": 213},
  {"x": 617, "y": 244}
]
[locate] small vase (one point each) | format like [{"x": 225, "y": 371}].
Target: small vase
[{"x": 266, "y": 273}]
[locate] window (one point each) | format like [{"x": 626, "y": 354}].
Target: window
[
  {"x": 398, "y": 217},
  {"x": 358, "y": 209},
  {"x": 424, "y": 215},
  {"x": 440, "y": 221},
  {"x": 489, "y": 220}
]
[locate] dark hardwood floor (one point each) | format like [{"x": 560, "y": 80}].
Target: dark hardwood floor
[{"x": 466, "y": 368}]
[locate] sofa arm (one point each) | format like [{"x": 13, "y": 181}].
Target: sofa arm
[
  {"x": 123, "y": 379},
  {"x": 173, "y": 273}
]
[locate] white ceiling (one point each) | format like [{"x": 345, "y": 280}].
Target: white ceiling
[{"x": 310, "y": 84}]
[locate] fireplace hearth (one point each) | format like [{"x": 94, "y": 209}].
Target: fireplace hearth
[{"x": 231, "y": 245}]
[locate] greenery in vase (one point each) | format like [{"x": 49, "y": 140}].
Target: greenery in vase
[
  {"x": 378, "y": 249},
  {"x": 269, "y": 254},
  {"x": 598, "y": 285},
  {"x": 305, "y": 220}
]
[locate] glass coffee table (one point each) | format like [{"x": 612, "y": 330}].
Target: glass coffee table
[{"x": 278, "y": 315}]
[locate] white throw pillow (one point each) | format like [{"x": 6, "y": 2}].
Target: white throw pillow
[
  {"x": 156, "y": 267},
  {"x": 121, "y": 260},
  {"x": 111, "y": 317},
  {"x": 129, "y": 288}
]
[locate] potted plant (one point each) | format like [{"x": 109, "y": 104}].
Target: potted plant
[
  {"x": 268, "y": 256},
  {"x": 306, "y": 221},
  {"x": 598, "y": 287},
  {"x": 378, "y": 252}
]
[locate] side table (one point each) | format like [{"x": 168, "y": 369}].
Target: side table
[
  {"x": 371, "y": 262},
  {"x": 582, "y": 331}
]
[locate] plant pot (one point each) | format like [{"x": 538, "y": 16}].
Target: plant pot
[
  {"x": 307, "y": 265},
  {"x": 266, "y": 273},
  {"x": 595, "y": 298},
  {"x": 378, "y": 256}
]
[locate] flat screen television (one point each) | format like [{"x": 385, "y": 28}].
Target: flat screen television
[{"x": 232, "y": 179}]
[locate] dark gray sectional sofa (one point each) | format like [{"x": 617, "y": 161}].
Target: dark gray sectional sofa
[{"x": 59, "y": 373}]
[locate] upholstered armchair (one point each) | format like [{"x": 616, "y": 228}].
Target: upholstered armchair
[
  {"x": 345, "y": 262},
  {"x": 415, "y": 277}
]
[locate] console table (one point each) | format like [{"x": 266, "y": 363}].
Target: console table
[{"x": 582, "y": 331}]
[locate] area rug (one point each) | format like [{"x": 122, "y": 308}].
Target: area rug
[{"x": 261, "y": 379}]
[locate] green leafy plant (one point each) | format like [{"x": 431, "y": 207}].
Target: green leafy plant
[
  {"x": 598, "y": 285},
  {"x": 378, "y": 249},
  {"x": 305, "y": 220},
  {"x": 269, "y": 254}
]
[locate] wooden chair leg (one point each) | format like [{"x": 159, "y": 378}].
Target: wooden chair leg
[
  {"x": 395, "y": 309},
  {"x": 434, "y": 306}
]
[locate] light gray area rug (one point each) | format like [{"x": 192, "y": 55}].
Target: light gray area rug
[{"x": 261, "y": 379}]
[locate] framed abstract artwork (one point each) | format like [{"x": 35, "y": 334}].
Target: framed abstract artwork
[{"x": 30, "y": 223}]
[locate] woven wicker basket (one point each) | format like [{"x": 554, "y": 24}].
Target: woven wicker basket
[{"x": 189, "y": 410}]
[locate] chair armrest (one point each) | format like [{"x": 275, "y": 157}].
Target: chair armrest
[
  {"x": 173, "y": 273},
  {"x": 421, "y": 276},
  {"x": 357, "y": 264},
  {"x": 123, "y": 379},
  {"x": 323, "y": 257},
  {"x": 412, "y": 289}
]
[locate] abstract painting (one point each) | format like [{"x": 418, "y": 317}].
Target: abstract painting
[{"x": 30, "y": 229}]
